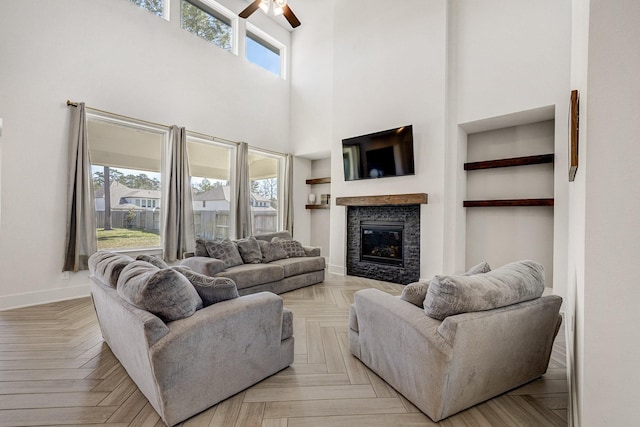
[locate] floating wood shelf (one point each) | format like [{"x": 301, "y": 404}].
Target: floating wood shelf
[
  {"x": 507, "y": 202},
  {"x": 514, "y": 161},
  {"x": 313, "y": 181},
  {"x": 325, "y": 206},
  {"x": 386, "y": 200}
]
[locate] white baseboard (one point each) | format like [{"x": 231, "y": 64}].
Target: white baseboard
[
  {"x": 337, "y": 269},
  {"x": 8, "y": 302}
]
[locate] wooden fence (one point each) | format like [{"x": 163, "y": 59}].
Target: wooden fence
[{"x": 209, "y": 225}]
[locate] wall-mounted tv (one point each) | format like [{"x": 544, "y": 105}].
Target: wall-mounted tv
[{"x": 379, "y": 155}]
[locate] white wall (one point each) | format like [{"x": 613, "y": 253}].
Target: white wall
[
  {"x": 116, "y": 57},
  {"x": 509, "y": 62},
  {"x": 607, "y": 186}
]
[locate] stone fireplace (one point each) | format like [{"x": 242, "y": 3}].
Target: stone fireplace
[{"x": 383, "y": 242}]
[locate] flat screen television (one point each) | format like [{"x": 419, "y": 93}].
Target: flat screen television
[{"x": 379, "y": 155}]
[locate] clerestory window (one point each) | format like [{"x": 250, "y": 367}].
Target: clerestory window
[{"x": 209, "y": 21}]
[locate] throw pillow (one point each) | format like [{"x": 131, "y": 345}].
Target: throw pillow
[
  {"x": 224, "y": 250},
  {"x": 107, "y": 266},
  {"x": 481, "y": 268},
  {"x": 271, "y": 251},
  {"x": 415, "y": 293},
  {"x": 293, "y": 248},
  {"x": 210, "y": 289},
  {"x": 510, "y": 284},
  {"x": 201, "y": 248},
  {"x": 152, "y": 259},
  {"x": 249, "y": 250},
  {"x": 163, "y": 292}
]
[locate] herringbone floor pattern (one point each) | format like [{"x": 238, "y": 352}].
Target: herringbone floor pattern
[{"x": 56, "y": 370}]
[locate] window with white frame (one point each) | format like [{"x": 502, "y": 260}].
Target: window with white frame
[
  {"x": 210, "y": 167},
  {"x": 264, "y": 50},
  {"x": 210, "y": 21},
  {"x": 265, "y": 170},
  {"x": 126, "y": 162},
  {"x": 157, "y": 7}
]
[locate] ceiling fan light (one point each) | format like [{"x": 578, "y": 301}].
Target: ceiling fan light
[
  {"x": 277, "y": 10},
  {"x": 264, "y": 5}
]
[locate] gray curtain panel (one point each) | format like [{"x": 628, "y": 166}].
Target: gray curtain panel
[
  {"x": 81, "y": 216},
  {"x": 243, "y": 192},
  {"x": 178, "y": 229},
  {"x": 287, "y": 198}
]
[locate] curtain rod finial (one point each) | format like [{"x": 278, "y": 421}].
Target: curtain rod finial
[{"x": 71, "y": 104}]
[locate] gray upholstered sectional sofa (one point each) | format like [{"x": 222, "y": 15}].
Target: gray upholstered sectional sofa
[
  {"x": 459, "y": 340},
  {"x": 278, "y": 276},
  {"x": 186, "y": 340}
]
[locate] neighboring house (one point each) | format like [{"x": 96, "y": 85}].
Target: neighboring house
[
  {"x": 217, "y": 199},
  {"x": 125, "y": 198}
]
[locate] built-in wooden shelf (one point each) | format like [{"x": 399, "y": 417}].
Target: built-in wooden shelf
[
  {"x": 507, "y": 202},
  {"x": 321, "y": 206},
  {"x": 514, "y": 161},
  {"x": 314, "y": 181},
  {"x": 386, "y": 200}
]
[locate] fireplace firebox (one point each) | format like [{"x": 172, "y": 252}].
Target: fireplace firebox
[{"x": 382, "y": 242}]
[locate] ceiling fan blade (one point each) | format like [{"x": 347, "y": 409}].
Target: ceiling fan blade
[
  {"x": 288, "y": 13},
  {"x": 250, "y": 9}
]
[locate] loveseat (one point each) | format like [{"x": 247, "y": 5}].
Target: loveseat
[
  {"x": 268, "y": 262},
  {"x": 188, "y": 341},
  {"x": 459, "y": 340}
]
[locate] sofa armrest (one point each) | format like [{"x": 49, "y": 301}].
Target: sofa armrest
[
  {"x": 204, "y": 265},
  {"x": 311, "y": 251}
]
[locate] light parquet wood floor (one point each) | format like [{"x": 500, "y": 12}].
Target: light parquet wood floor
[{"x": 56, "y": 370}]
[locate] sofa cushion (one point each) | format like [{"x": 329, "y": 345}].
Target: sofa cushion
[
  {"x": 415, "y": 293},
  {"x": 271, "y": 251},
  {"x": 300, "y": 265},
  {"x": 267, "y": 237},
  {"x": 163, "y": 292},
  {"x": 483, "y": 267},
  {"x": 224, "y": 250},
  {"x": 152, "y": 259},
  {"x": 512, "y": 283},
  {"x": 201, "y": 248},
  {"x": 248, "y": 275},
  {"x": 107, "y": 266},
  {"x": 210, "y": 289},
  {"x": 293, "y": 248},
  {"x": 249, "y": 250}
]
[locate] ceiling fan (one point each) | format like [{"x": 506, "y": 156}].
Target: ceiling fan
[{"x": 280, "y": 7}]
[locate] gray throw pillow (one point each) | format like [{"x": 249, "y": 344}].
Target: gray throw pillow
[
  {"x": 415, "y": 293},
  {"x": 224, "y": 250},
  {"x": 106, "y": 266},
  {"x": 154, "y": 260},
  {"x": 271, "y": 251},
  {"x": 510, "y": 284},
  {"x": 293, "y": 248},
  {"x": 249, "y": 250},
  {"x": 163, "y": 292},
  {"x": 481, "y": 268},
  {"x": 201, "y": 248},
  {"x": 210, "y": 289}
]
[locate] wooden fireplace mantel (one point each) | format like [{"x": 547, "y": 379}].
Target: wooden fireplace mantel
[{"x": 384, "y": 200}]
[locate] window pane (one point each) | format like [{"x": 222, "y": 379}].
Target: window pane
[
  {"x": 126, "y": 178},
  {"x": 205, "y": 25},
  {"x": 263, "y": 54},
  {"x": 210, "y": 169},
  {"x": 153, "y": 6},
  {"x": 263, "y": 174}
]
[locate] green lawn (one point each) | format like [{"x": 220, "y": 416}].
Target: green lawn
[{"x": 127, "y": 238}]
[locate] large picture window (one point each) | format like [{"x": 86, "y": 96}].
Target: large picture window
[
  {"x": 265, "y": 170},
  {"x": 213, "y": 199},
  {"x": 126, "y": 162}
]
